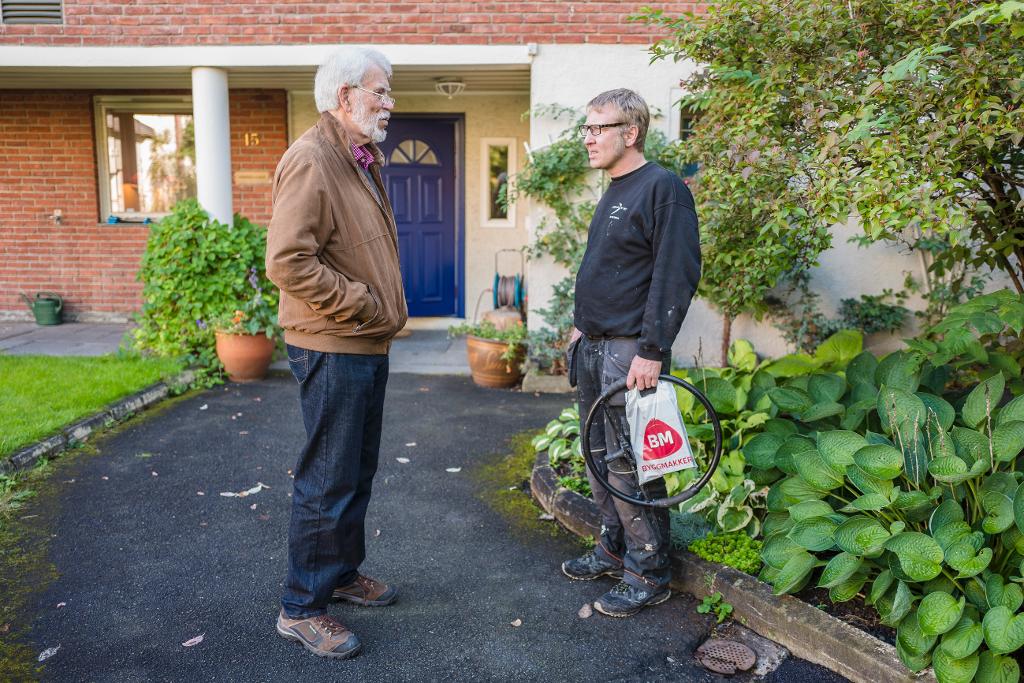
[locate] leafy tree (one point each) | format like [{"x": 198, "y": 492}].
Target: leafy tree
[
  {"x": 812, "y": 112},
  {"x": 755, "y": 152},
  {"x": 932, "y": 141}
]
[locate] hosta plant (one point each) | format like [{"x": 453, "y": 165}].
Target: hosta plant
[
  {"x": 735, "y": 498},
  {"x": 909, "y": 496},
  {"x": 561, "y": 439}
]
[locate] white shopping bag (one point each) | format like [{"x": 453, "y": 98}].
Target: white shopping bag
[{"x": 657, "y": 433}]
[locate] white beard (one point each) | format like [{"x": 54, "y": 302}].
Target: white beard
[{"x": 368, "y": 123}]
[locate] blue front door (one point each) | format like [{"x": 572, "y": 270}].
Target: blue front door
[{"x": 420, "y": 178}]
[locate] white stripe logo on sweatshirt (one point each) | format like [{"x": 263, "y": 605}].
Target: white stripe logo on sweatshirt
[{"x": 616, "y": 209}]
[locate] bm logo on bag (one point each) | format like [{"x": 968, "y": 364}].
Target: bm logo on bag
[
  {"x": 660, "y": 440},
  {"x": 657, "y": 433}
]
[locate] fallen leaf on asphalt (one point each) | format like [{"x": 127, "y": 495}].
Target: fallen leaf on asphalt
[
  {"x": 203, "y": 407},
  {"x": 105, "y": 478},
  {"x": 154, "y": 474},
  {"x": 61, "y": 604},
  {"x": 248, "y": 492},
  {"x": 253, "y": 506},
  {"x": 424, "y": 388},
  {"x": 264, "y": 517},
  {"x": 402, "y": 460},
  {"x": 410, "y": 444},
  {"x": 545, "y": 517},
  {"x": 376, "y": 533},
  {"x": 670, "y": 660},
  {"x": 69, "y": 481},
  {"x": 47, "y": 653},
  {"x": 517, "y": 623},
  {"x": 194, "y": 641},
  {"x": 202, "y": 523},
  {"x": 233, "y": 417},
  {"x": 257, "y": 399},
  {"x": 586, "y": 611},
  {"x": 200, "y": 493},
  {"x": 453, "y": 469},
  {"x": 238, "y": 414},
  {"x": 242, "y": 433},
  {"x": 144, "y": 455}
]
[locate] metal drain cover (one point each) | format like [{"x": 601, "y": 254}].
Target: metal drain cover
[{"x": 725, "y": 656}]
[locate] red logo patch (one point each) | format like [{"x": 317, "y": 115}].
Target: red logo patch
[{"x": 660, "y": 440}]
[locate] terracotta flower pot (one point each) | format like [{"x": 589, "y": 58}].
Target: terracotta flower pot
[
  {"x": 487, "y": 366},
  {"x": 246, "y": 357}
]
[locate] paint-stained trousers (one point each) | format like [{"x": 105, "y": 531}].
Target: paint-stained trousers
[{"x": 634, "y": 536}]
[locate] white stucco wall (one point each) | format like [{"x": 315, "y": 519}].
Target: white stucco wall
[{"x": 486, "y": 116}]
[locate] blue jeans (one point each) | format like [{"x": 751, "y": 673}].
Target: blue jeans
[{"x": 342, "y": 397}]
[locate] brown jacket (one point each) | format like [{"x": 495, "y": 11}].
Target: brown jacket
[{"x": 332, "y": 248}]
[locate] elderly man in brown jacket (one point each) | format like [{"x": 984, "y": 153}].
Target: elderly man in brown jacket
[{"x": 332, "y": 248}]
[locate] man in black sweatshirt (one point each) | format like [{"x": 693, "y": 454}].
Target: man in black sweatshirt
[{"x": 633, "y": 289}]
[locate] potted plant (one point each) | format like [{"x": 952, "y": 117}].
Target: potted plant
[
  {"x": 247, "y": 335},
  {"x": 495, "y": 355}
]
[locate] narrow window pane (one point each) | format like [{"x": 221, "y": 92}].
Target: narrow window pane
[
  {"x": 497, "y": 174},
  {"x": 152, "y": 161}
]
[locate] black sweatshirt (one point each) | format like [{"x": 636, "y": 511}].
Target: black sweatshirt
[{"x": 642, "y": 263}]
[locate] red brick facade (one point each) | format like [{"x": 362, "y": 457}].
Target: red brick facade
[
  {"x": 277, "y": 22},
  {"x": 47, "y": 144}
]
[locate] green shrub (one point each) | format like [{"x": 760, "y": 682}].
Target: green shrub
[
  {"x": 195, "y": 269},
  {"x": 735, "y": 549},
  {"x": 913, "y": 495}
]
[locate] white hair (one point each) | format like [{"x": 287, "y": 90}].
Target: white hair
[{"x": 344, "y": 66}]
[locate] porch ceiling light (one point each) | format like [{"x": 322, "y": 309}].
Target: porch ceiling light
[{"x": 449, "y": 86}]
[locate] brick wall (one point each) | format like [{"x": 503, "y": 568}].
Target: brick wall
[
  {"x": 47, "y": 144},
  {"x": 275, "y": 22},
  {"x": 263, "y": 113}
]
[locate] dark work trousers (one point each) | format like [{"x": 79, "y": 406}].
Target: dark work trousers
[
  {"x": 342, "y": 398},
  {"x": 634, "y": 536}
]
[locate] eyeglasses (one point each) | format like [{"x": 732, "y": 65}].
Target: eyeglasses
[
  {"x": 386, "y": 100},
  {"x": 596, "y": 128}
]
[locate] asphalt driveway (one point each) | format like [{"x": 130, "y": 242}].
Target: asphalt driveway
[{"x": 148, "y": 554}]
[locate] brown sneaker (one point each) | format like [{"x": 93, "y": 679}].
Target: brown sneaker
[
  {"x": 366, "y": 591},
  {"x": 322, "y": 635}
]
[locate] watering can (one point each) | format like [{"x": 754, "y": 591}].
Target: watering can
[{"x": 46, "y": 307}]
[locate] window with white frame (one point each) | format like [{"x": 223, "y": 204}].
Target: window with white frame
[
  {"x": 497, "y": 164},
  {"x": 147, "y": 155},
  {"x": 682, "y": 120}
]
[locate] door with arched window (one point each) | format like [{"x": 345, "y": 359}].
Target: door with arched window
[{"x": 420, "y": 177}]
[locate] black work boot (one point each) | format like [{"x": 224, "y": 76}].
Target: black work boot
[
  {"x": 590, "y": 567},
  {"x": 625, "y": 600}
]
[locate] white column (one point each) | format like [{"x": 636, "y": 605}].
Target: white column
[{"x": 213, "y": 141}]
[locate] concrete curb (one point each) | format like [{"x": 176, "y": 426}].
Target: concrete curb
[
  {"x": 809, "y": 633},
  {"x": 536, "y": 381},
  {"x": 80, "y": 430}
]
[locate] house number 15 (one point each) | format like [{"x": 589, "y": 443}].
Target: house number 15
[{"x": 252, "y": 139}]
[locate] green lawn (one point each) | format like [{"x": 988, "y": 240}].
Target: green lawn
[{"x": 41, "y": 394}]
